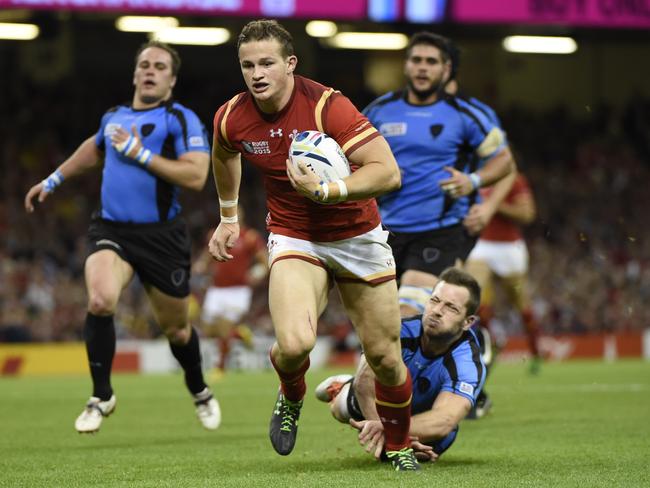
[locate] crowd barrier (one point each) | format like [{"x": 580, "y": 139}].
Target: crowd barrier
[
  {"x": 138, "y": 356},
  {"x": 154, "y": 356}
]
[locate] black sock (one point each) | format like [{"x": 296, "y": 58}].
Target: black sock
[
  {"x": 99, "y": 333},
  {"x": 189, "y": 356}
]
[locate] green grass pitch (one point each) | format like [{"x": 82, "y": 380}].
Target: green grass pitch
[{"x": 579, "y": 424}]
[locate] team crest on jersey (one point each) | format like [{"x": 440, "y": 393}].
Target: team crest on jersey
[
  {"x": 147, "y": 129},
  {"x": 436, "y": 129},
  {"x": 256, "y": 147},
  {"x": 423, "y": 385},
  {"x": 393, "y": 129}
]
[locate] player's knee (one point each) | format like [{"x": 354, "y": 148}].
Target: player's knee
[
  {"x": 383, "y": 361},
  {"x": 295, "y": 347},
  {"x": 178, "y": 335},
  {"x": 101, "y": 303}
]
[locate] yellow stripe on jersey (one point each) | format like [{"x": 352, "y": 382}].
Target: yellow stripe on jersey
[
  {"x": 491, "y": 143},
  {"x": 358, "y": 138},
  {"x": 394, "y": 405},
  {"x": 294, "y": 253},
  {"x": 318, "y": 112},
  {"x": 367, "y": 278},
  {"x": 222, "y": 126}
]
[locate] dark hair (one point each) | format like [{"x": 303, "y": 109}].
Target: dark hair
[
  {"x": 458, "y": 277},
  {"x": 176, "y": 59},
  {"x": 454, "y": 59},
  {"x": 431, "y": 39},
  {"x": 259, "y": 30}
]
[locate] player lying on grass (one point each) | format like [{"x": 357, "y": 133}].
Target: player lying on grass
[{"x": 443, "y": 356}]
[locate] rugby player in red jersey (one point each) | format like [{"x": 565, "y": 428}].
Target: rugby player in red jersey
[{"x": 312, "y": 245}]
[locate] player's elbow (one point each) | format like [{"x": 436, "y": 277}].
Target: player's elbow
[
  {"x": 197, "y": 180},
  {"x": 394, "y": 180}
]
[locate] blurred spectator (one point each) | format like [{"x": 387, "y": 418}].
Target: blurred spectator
[{"x": 590, "y": 246}]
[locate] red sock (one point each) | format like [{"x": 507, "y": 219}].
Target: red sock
[
  {"x": 224, "y": 349},
  {"x": 292, "y": 383},
  {"x": 394, "y": 408},
  {"x": 532, "y": 330}
]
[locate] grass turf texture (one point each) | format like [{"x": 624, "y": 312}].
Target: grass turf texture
[{"x": 576, "y": 424}]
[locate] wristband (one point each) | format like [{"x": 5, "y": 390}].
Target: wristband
[
  {"x": 229, "y": 220},
  {"x": 144, "y": 156},
  {"x": 475, "y": 178},
  {"x": 228, "y": 203},
  {"x": 126, "y": 146},
  {"x": 52, "y": 181},
  {"x": 343, "y": 190}
]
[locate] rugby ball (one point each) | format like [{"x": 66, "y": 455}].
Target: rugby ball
[{"x": 321, "y": 154}]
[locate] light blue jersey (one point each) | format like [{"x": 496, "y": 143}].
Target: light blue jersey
[
  {"x": 129, "y": 192},
  {"x": 460, "y": 370},
  {"x": 425, "y": 139}
]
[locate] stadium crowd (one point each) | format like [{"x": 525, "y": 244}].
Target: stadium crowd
[{"x": 590, "y": 261}]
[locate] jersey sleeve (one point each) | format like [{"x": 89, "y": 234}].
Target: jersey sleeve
[
  {"x": 342, "y": 121},
  {"x": 221, "y": 126},
  {"x": 104, "y": 130},
  {"x": 188, "y": 132},
  {"x": 463, "y": 373},
  {"x": 481, "y": 133}
]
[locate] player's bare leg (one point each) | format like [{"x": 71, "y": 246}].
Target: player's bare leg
[
  {"x": 374, "y": 310},
  {"x": 297, "y": 296}
]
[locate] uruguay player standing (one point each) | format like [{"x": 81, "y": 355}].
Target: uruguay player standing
[
  {"x": 437, "y": 140},
  {"x": 148, "y": 150}
]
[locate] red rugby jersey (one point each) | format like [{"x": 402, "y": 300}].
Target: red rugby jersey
[
  {"x": 234, "y": 272},
  {"x": 500, "y": 228},
  {"x": 264, "y": 140}
]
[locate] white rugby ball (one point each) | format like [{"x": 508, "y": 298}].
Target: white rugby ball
[{"x": 321, "y": 154}]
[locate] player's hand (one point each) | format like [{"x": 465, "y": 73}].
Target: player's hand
[
  {"x": 223, "y": 239},
  {"x": 458, "y": 185},
  {"x": 423, "y": 452},
  {"x": 130, "y": 145},
  {"x": 37, "y": 189},
  {"x": 478, "y": 217},
  {"x": 371, "y": 435},
  {"x": 304, "y": 180}
]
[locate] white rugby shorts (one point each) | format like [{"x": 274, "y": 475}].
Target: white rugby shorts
[
  {"x": 503, "y": 258},
  {"x": 366, "y": 257},
  {"x": 230, "y": 303}
]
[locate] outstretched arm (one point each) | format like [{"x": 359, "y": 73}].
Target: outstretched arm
[{"x": 85, "y": 157}]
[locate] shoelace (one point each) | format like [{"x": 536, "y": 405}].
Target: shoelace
[
  {"x": 289, "y": 412},
  {"x": 404, "y": 459}
]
